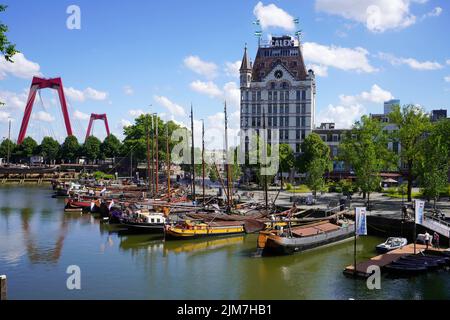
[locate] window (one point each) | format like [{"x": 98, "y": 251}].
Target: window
[
  {"x": 253, "y": 109},
  {"x": 297, "y": 147},
  {"x": 297, "y": 134},
  {"x": 258, "y": 108},
  {"x": 286, "y": 95},
  {"x": 303, "y": 134},
  {"x": 272, "y": 85},
  {"x": 253, "y": 122},
  {"x": 303, "y": 94},
  {"x": 297, "y": 121},
  {"x": 303, "y": 122},
  {"x": 284, "y": 85},
  {"x": 297, "y": 108},
  {"x": 270, "y": 95},
  {"x": 259, "y": 95},
  {"x": 275, "y": 109},
  {"x": 258, "y": 122},
  {"x": 274, "y": 121},
  {"x": 286, "y": 134},
  {"x": 254, "y": 95},
  {"x": 153, "y": 220},
  {"x": 269, "y": 121},
  {"x": 297, "y": 95},
  {"x": 303, "y": 108},
  {"x": 275, "y": 95},
  {"x": 270, "y": 108},
  {"x": 281, "y": 96}
]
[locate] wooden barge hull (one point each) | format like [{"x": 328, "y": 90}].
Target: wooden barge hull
[
  {"x": 180, "y": 233},
  {"x": 276, "y": 245}
]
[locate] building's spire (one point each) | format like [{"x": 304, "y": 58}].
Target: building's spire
[{"x": 245, "y": 65}]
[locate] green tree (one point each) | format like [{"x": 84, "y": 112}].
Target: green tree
[
  {"x": 287, "y": 159},
  {"x": 110, "y": 147},
  {"x": 70, "y": 149},
  {"x": 27, "y": 148},
  {"x": 4, "y": 149},
  {"x": 314, "y": 175},
  {"x": 6, "y": 47},
  {"x": 49, "y": 149},
  {"x": 91, "y": 148},
  {"x": 314, "y": 161},
  {"x": 213, "y": 174},
  {"x": 434, "y": 164},
  {"x": 365, "y": 149},
  {"x": 412, "y": 123}
]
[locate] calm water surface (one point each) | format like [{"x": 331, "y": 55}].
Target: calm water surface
[{"x": 38, "y": 241}]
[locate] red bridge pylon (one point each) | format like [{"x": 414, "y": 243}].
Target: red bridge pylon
[
  {"x": 40, "y": 83},
  {"x": 97, "y": 117}
]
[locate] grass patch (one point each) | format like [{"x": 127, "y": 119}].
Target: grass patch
[
  {"x": 297, "y": 189},
  {"x": 399, "y": 195}
]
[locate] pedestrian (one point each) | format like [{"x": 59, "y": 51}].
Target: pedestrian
[
  {"x": 427, "y": 239},
  {"x": 436, "y": 240}
]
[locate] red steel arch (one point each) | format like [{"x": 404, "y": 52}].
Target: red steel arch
[
  {"x": 95, "y": 116},
  {"x": 40, "y": 83}
]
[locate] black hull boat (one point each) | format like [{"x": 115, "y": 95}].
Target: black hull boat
[
  {"x": 144, "y": 227},
  {"x": 303, "y": 238},
  {"x": 416, "y": 264}
]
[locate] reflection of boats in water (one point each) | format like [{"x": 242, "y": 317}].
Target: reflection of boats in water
[
  {"x": 201, "y": 244},
  {"x": 197, "y": 229},
  {"x": 136, "y": 242}
]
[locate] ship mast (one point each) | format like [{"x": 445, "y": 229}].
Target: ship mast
[
  {"x": 203, "y": 159},
  {"x": 156, "y": 153},
  {"x": 147, "y": 135},
  {"x": 192, "y": 155},
  {"x": 168, "y": 160},
  {"x": 227, "y": 166}
]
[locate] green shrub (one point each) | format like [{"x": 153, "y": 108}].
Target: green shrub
[
  {"x": 288, "y": 186},
  {"x": 99, "y": 175}
]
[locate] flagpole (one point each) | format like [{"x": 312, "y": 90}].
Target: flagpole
[{"x": 414, "y": 235}]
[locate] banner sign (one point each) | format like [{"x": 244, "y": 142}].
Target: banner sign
[
  {"x": 361, "y": 221},
  {"x": 420, "y": 205}
]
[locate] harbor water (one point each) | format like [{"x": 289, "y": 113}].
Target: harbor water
[{"x": 38, "y": 242}]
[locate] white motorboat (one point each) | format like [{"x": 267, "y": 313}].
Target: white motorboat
[{"x": 391, "y": 243}]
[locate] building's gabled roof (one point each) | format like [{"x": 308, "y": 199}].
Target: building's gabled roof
[{"x": 265, "y": 62}]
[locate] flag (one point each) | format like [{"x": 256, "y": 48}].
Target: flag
[
  {"x": 296, "y": 21},
  {"x": 258, "y": 33},
  {"x": 361, "y": 221},
  {"x": 419, "y": 211},
  {"x": 111, "y": 204},
  {"x": 256, "y": 22}
]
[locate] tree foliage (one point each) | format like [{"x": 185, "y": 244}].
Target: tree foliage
[
  {"x": 412, "y": 122},
  {"x": 70, "y": 149},
  {"x": 27, "y": 148},
  {"x": 4, "y": 148},
  {"x": 91, "y": 148},
  {"x": 110, "y": 147},
  {"x": 365, "y": 148},
  {"x": 49, "y": 149}
]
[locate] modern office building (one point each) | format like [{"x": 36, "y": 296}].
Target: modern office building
[
  {"x": 438, "y": 114},
  {"x": 278, "y": 86}
]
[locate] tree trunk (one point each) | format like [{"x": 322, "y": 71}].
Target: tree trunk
[
  {"x": 368, "y": 201},
  {"x": 281, "y": 180},
  {"x": 410, "y": 178}
]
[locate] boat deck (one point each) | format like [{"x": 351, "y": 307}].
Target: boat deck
[{"x": 385, "y": 259}]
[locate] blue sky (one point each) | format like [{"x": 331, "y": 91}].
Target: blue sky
[{"x": 129, "y": 55}]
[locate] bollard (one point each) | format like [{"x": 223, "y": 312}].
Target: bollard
[{"x": 3, "y": 287}]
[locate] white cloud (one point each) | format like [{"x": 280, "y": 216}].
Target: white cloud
[
  {"x": 448, "y": 62},
  {"x": 13, "y": 100},
  {"x": 136, "y": 112},
  {"x": 376, "y": 95},
  {"x": 412, "y": 63},
  {"x": 343, "y": 116},
  {"x": 43, "y": 116},
  {"x": 436, "y": 12},
  {"x": 87, "y": 94},
  {"x": 273, "y": 16},
  {"x": 206, "y": 69},
  {"x": 173, "y": 108},
  {"x": 124, "y": 123},
  {"x": 78, "y": 115},
  {"x": 338, "y": 57},
  {"x": 232, "y": 68},
  {"x": 209, "y": 88},
  {"x": 351, "y": 107},
  {"x": 447, "y": 79},
  {"x": 4, "y": 116},
  {"x": 21, "y": 68},
  {"x": 128, "y": 90},
  {"x": 232, "y": 94},
  {"x": 377, "y": 15},
  {"x": 95, "y": 94},
  {"x": 319, "y": 70}
]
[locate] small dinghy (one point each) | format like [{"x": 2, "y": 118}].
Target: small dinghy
[
  {"x": 402, "y": 269},
  {"x": 390, "y": 244}
]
